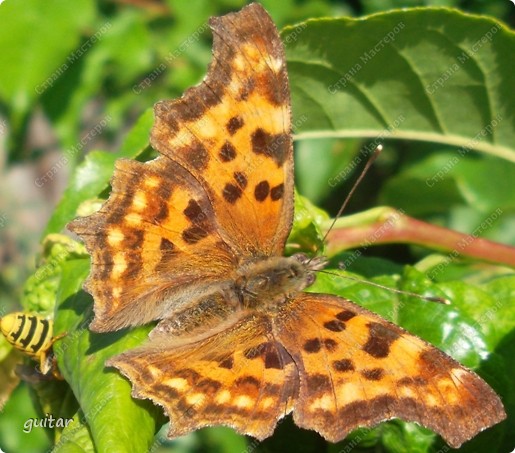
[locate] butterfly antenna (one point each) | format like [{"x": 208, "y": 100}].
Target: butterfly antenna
[
  {"x": 439, "y": 300},
  {"x": 367, "y": 166},
  {"x": 369, "y": 163}
]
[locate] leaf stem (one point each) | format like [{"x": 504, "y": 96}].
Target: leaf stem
[{"x": 385, "y": 225}]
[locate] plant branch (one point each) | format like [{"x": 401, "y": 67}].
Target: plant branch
[{"x": 385, "y": 225}]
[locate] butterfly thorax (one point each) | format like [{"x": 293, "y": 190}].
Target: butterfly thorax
[{"x": 266, "y": 282}]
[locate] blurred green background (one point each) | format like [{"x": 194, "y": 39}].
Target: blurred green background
[{"x": 67, "y": 68}]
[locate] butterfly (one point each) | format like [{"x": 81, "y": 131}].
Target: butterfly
[{"x": 194, "y": 239}]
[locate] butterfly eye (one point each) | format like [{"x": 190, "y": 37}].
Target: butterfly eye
[
  {"x": 301, "y": 258},
  {"x": 310, "y": 279}
]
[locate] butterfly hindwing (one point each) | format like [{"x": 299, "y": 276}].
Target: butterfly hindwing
[{"x": 236, "y": 375}]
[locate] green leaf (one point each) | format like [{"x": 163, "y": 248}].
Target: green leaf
[
  {"x": 126, "y": 45},
  {"x": 506, "y": 351},
  {"x": 9, "y": 358},
  {"x": 53, "y": 397},
  {"x": 483, "y": 293},
  {"x": 33, "y": 49},
  {"x": 434, "y": 194},
  {"x": 315, "y": 176},
  {"x": 118, "y": 50},
  {"x": 426, "y": 74},
  {"x": 401, "y": 437},
  {"x": 222, "y": 439},
  {"x": 18, "y": 432},
  {"x": 459, "y": 188},
  {"x": 306, "y": 232},
  {"x": 91, "y": 177},
  {"x": 75, "y": 438},
  {"x": 474, "y": 180},
  {"x": 40, "y": 288},
  {"x": 500, "y": 314},
  {"x": 112, "y": 415}
]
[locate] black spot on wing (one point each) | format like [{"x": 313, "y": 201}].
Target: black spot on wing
[
  {"x": 234, "y": 124},
  {"x": 379, "y": 340},
  {"x": 261, "y": 191},
  {"x": 231, "y": 193}
]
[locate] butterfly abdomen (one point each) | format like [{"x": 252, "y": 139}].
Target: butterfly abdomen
[{"x": 29, "y": 333}]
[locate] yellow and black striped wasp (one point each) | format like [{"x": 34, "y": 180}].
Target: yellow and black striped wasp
[{"x": 32, "y": 334}]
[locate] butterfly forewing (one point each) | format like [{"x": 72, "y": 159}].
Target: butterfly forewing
[
  {"x": 154, "y": 240},
  {"x": 232, "y": 132}
]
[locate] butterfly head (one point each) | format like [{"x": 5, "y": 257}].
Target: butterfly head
[{"x": 272, "y": 279}]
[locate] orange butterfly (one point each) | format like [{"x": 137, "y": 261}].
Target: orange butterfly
[{"x": 195, "y": 239}]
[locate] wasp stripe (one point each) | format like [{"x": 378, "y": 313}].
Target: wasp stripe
[
  {"x": 32, "y": 330},
  {"x": 16, "y": 335},
  {"x": 42, "y": 335}
]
